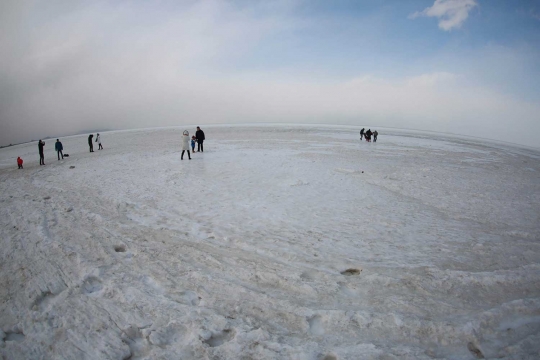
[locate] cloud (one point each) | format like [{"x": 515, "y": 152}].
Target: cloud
[
  {"x": 121, "y": 58},
  {"x": 102, "y": 65},
  {"x": 451, "y": 13}
]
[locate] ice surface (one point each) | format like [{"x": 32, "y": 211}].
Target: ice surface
[{"x": 275, "y": 243}]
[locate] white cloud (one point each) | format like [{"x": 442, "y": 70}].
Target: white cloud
[
  {"x": 102, "y": 66},
  {"x": 451, "y": 13}
]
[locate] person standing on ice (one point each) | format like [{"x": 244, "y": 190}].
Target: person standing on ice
[
  {"x": 41, "y": 144},
  {"x": 362, "y": 133},
  {"x": 90, "y": 142},
  {"x": 58, "y": 147},
  {"x": 20, "y": 162},
  {"x": 193, "y": 143},
  {"x": 98, "y": 140},
  {"x": 199, "y": 135},
  {"x": 368, "y": 135},
  {"x": 185, "y": 145},
  {"x": 375, "y": 134}
]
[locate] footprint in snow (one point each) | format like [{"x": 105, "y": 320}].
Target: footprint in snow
[
  {"x": 91, "y": 285},
  {"x": 120, "y": 248},
  {"x": 220, "y": 338},
  {"x": 351, "y": 272}
]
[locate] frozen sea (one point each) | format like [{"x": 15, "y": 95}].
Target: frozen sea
[{"x": 277, "y": 242}]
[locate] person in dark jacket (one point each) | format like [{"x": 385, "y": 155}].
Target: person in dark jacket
[
  {"x": 90, "y": 142},
  {"x": 368, "y": 135},
  {"x": 58, "y": 147},
  {"x": 199, "y": 135},
  {"x": 375, "y": 134},
  {"x": 362, "y": 133},
  {"x": 41, "y": 144}
]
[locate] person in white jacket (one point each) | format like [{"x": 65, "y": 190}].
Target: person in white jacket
[
  {"x": 185, "y": 145},
  {"x": 98, "y": 140}
]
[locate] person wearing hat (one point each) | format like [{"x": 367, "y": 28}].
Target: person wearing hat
[
  {"x": 185, "y": 145},
  {"x": 98, "y": 140}
]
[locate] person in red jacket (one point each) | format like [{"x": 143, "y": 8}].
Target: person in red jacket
[{"x": 19, "y": 162}]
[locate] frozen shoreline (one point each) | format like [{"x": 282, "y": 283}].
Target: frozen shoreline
[{"x": 240, "y": 251}]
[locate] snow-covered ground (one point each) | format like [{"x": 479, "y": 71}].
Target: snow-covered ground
[{"x": 275, "y": 243}]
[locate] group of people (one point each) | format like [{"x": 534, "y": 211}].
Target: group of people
[
  {"x": 367, "y": 135},
  {"x": 59, "y": 148},
  {"x": 197, "y": 138},
  {"x": 41, "y": 144},
  {"x": 98, "y": 140}
]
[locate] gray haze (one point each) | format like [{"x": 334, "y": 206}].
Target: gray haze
[{"x": 68, "y": 67}]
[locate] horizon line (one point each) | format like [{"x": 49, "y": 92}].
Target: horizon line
[{"x": 81, "y": 133}]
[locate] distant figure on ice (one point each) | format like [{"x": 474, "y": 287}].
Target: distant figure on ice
[
  {"x": 20, "y": 162},
  {"x": 375, "y": 134},
  {"x": 40, "y": 145},
  {"x": 362, "y": 133},
  {"x": 199, "y": 135},
  {"x": 185, "y": 145},
  {"x": 98, "y": 140},
  {"x": 90, "y": 142},
  {"x": 58, "y": 147},
  {"x": 193, "y": 143},
  {"x": 368, "y": 135}
]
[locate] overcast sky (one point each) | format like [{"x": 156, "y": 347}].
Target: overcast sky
[{"x": 461, "y": 66}]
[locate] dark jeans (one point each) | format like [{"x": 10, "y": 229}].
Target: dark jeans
[
  {"x": 20, "y": 166},
  {"x": 374, "y": 139},
  {"x": 182, "y": 156},
  {"x": 100, "y": 147},
  {"x": 91, "y": 147},
  {"x": 59, "y": 152},
  {"x": 41, "y": 159},
  {"x": 200, "y": 145}
]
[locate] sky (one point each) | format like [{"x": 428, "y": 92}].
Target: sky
[{"x": 468, "y": 67}]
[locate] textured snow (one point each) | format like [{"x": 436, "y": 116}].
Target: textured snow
[{"x": 275, "y": 243}]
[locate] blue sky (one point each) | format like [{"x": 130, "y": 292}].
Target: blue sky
[
  {"x": 461, "y": 66},
  {"x": 350, "y": 38}
]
